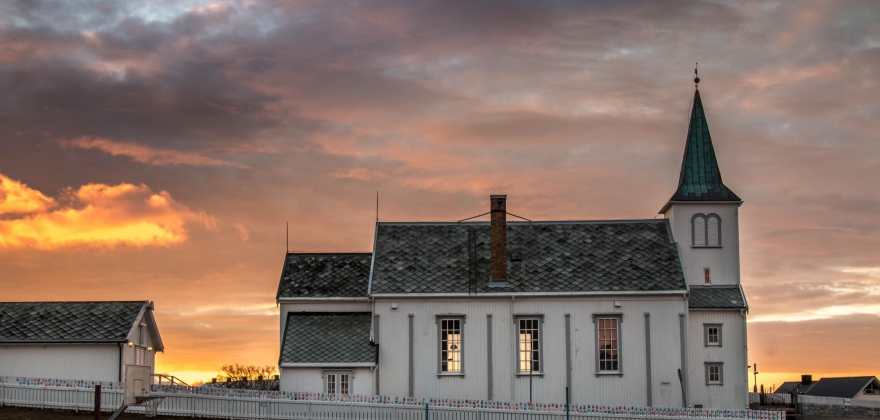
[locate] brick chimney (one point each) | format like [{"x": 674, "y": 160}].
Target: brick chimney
[{"x": 498, "y": 238}]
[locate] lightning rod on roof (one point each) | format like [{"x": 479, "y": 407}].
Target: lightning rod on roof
[
  {"x": 287, "y": 237},
  {"x": 696, "y": 78}
]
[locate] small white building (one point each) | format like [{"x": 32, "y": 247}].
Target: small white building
[
  {"x": 77, "y": 340},
  {"x": 853, "y": 387},
  {"x": 622, "y": 312}
]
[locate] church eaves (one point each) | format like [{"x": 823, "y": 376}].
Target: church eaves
[{"x": 700, "y": 178}]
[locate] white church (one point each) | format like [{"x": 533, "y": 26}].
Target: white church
[{"x": 635, "y": 312}]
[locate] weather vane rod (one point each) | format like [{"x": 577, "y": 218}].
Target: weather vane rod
[{"x": 696, "y": 78}]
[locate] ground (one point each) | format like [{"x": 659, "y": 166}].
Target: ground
[{"x": 21, "y": 413}]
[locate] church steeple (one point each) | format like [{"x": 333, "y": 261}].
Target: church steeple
[{"x": 700, "y": 178}]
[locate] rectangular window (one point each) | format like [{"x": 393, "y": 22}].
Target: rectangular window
[
  {"x": 608, "y": 343},
  {"x": 450, "y": 345},
  {"x": 140, "y": 355},
  {"x": 337, "y": 383},
  {"x": 714, "y": 373},
  {"x": 706, "y": 276},
  {"x": 529, "y": 345},
  {"x": 712, "y": 335}
]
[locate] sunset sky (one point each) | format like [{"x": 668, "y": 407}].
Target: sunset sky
[{"x": 154, "y": 150}]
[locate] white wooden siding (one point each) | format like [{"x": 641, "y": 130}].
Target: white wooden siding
[
  {"x": 723, "y": 261},
  {"x": 310, "y": 380},
  {"x": 868, "y": 397},
  {"x": 587, "y": 387},
  {"x": 94, "y": 362},
  {"x": 733, "y": 393}
]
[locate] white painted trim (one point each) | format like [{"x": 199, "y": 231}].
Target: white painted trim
[
  {"x": 327, "y": 365},
  {"x": 137, "y": 321}
]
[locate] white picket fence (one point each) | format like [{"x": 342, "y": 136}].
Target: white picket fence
[
  {"x": 195, "y": 405},
  {"x": 755, "y": 397}
]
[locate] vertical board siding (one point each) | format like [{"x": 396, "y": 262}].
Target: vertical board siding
[
  {"x": 309, "y": 379},
  {"x": 587, "y": 387},
  {"x": 94, "y": 362},
  {"x": 733, "y": 392},
  {"x": 723, "y": 261}
]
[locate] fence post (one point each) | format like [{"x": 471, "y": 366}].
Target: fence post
[
  {"x": 567, "y": 409},
  {"x": 426, "y": 410},
  {"x": 43, "y": 399},
  {"x": 97, "y": 402}
]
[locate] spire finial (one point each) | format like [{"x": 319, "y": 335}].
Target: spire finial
[{"x": 696, "y": 78}]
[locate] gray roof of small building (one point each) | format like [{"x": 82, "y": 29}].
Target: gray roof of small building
[
  {"x": 75, "y": 322},
  {"x": 604, "y": 256},
  {"x": 322, "y": 337},
  {"x": 841, "y": 387},
  {"x": 786, "y": 387},
  {"x": 717, "y": 297},
  {"x": 324, "y": 275}
]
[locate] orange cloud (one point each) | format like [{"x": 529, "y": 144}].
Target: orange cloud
[
  {"x": 148, "y": 155},
  {"x": 17, "y": 198},
  {"x": 95, "y": 214},
  {"x": 243, "y": 231}
]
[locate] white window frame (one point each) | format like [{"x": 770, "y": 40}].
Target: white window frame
[
  {"x": 340, "y": 379},
  {"x": 443, "y": 320},
  {"x": 598, "y": 326},
  {"x": 707, "y": 342},
  {"x": 702, "y": 220},
  {"x": 521, "y": 363},
  {"x": 709, "y": 367}
]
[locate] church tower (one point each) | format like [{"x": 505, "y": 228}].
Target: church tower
[
  {"x": 703, "y": 212},
  {"x": 704, "y": 217}
]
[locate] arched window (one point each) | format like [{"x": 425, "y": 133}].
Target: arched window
[
  {"x": 706, "y": 230},
  {"x": 699, "y": 229}
]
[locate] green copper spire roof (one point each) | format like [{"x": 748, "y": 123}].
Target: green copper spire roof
[{"x": 700, "y": 178}]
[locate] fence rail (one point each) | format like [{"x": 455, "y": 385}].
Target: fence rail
[{"x": 266, "y": 407}]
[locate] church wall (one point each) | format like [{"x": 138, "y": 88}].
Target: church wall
[
  {"x": 587, "y": 387},
  {"x": 301, "y": 379},
  {"x": 733, "y": 392},
  {"x": 723, "y": 262}
]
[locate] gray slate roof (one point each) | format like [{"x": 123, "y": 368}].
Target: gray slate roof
[
  {"x": 841, "y": 387},
  {"x": 786, "y": 387},
  {"x": 321, "y": 337},
  {"x": 77, "y": 322},
  {"x": 602, "y": 256},
  {"x": 324, "y": 275},
  {"x": 717, "y": 297}
]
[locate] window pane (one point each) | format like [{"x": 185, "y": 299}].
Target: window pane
[
  {"x": 608, "y": 344},
  {"x": 343, "y": 384},
  {"x": 331, "y": 384},
  {"x": 528, "y": 345},
  {"x": 699, "y": 230},
  {"x": 712, "y": 231},
  {"x": 450, "y": 345}
]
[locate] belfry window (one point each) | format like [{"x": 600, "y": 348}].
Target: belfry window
[{"x": 706, "y": 230}]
